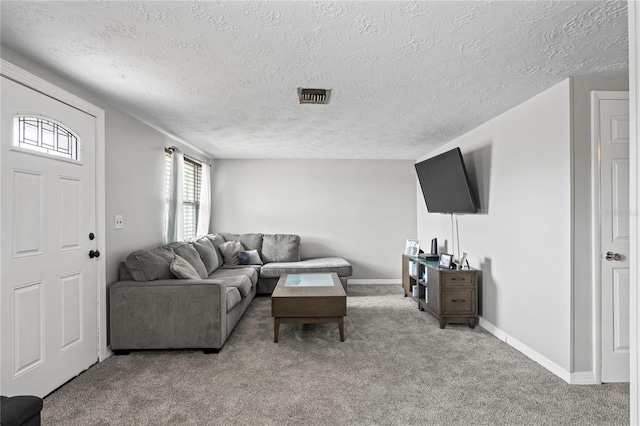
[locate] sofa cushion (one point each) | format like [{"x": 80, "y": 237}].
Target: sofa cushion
[
  {"x": 280, "y": 248},
  {"x": 217, "y": 240},
  {"x": 249, "y": 257},
  {"x": 183, "y": 269},
  {"x": 325, "y": 264},
  {"x": 150, "y": 265},
  {"x": 249, "y": 241},
  {"x": 233, "y": 298},
  {"x": 208, "y": 254},
  {"x": 241, "y": 282},
  {"x": 230, "y": 251},
  {"x": 190, "y": 254},
  {"x": 227, "y": 272}
]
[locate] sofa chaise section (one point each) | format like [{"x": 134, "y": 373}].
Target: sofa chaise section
[
  {"x": 271, "y": 272},
  {"x": 279, "y": 254}
]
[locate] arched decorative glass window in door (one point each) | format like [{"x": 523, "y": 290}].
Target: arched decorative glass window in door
[{"x": 45, "y": 137}]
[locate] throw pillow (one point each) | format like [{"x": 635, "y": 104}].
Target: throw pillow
[
  {"x": 230, "y": 251},
  {"x": 183, "y": 269},
  {"x": 190, "y": 254},
  {"x": 250, "y": 257},
  {"x": 280, "y": 248}
]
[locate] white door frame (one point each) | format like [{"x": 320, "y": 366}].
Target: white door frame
[
  {"x": 634, "y": 202},
  {"x": 596, "y": 240},
  {"x": 21, "y": 76}
]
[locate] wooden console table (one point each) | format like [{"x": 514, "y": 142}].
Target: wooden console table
[{"x": 451, "y": 295}]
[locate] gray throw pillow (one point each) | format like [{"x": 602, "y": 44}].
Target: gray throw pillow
[
  {"x": 230, "y": 251},
  {"x": 249, "y": 257},
  {"x": 150, "y": 265},
  {"x": 183, "y": 269},
  {"x": 280, "y": 248},
  {"x": 208, "y": 254},
  {"x": 190, "y": 254}
]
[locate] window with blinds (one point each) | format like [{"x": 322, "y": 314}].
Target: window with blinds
[
  {"x": 191, "y": 197},
  {"x": 190, "y": 193}
]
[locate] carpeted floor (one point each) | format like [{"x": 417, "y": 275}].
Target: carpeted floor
[{"x": 396, "y": 367}]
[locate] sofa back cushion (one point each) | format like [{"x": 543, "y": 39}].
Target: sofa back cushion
[
  {"x": 208, "y": 254},
  {"x": 190, "y": 254},
  {"x": 150, "y": 265},
  {"x": 217, "y": 240},
  {"x": 280, "y": 248}
]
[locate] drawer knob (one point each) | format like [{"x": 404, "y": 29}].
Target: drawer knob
[{"x": 457, "y": 300}]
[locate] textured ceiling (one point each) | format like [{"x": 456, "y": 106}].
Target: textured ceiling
[{"x": 405, "y": 76}]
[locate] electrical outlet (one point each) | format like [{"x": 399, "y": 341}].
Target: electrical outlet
[{"x": 119, "y": 221}]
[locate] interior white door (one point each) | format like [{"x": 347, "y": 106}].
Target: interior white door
[
  {"x": 614, "y": 229},
  {"x": 48, "y": 209}
]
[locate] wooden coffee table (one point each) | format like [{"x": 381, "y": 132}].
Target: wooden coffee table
[{"x": 308, "y": 299}]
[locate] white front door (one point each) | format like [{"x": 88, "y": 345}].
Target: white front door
[
  {"x": 48, "y": 290},
  {"x": 614, "y": 234}
]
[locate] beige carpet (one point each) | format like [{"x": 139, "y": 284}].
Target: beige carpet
[{"x": 396, "y": 367}]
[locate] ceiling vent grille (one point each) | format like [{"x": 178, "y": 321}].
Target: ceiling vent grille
[{"x": 313, "y": 96}]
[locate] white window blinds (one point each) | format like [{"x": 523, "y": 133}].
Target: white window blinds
[{"x": 189, "y": 202}]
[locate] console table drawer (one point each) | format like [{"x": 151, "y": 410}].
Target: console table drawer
[
  {"x": 457, "y": 278},
  {"x": 459, "y": 302}
]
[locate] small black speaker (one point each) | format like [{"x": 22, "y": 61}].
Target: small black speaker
[{"x": 434, "y": 246}]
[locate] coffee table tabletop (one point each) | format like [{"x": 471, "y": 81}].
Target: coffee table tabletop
[{"x": 308, "y": 299}]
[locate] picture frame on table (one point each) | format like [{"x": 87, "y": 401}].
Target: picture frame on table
[
  {"x": 445, "y": 261},
  {"x": 412, "y": 248}
]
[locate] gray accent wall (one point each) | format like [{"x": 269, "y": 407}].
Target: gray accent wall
[{"x": 361, "y": 210}]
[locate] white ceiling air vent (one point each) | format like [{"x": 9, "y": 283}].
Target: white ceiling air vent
[{"x": 313, "y": 96}]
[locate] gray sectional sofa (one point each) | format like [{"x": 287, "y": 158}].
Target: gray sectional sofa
[{"x": 192, "y": 294}]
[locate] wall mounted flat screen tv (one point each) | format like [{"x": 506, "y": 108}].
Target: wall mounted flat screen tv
[{"x": 445, "y": 184}]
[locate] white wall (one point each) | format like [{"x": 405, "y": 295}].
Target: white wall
[
  {"x": 134, "y": 168},
  {"x": 363, "y": 211},
  {"x": 521, "y": 239}
]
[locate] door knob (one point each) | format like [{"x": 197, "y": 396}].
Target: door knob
[
  {"x": 612, "y": 256},
  {"x": 93, "y": 254}
]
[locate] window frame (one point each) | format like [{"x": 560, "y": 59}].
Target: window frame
[{"x": 191, "y": 189}]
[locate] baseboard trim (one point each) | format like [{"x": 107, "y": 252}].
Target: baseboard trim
[
  {"x": 373, "y": 281},
  {"x": 576, "y": 378},
  {"x": 584, "y": 378}
]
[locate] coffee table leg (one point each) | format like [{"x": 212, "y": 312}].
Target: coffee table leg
[
  {"x": 341, "y": 327},
  {"x": 276, "y": 329}
]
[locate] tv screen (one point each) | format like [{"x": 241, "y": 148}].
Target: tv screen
[{"x": 445, "y": 184}]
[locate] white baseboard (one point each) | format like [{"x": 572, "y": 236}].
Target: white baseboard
[
  {"x": 584, "y": 378},
  {"x": 576, "y": 378},
  {"x": 374, "y": 281}
]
